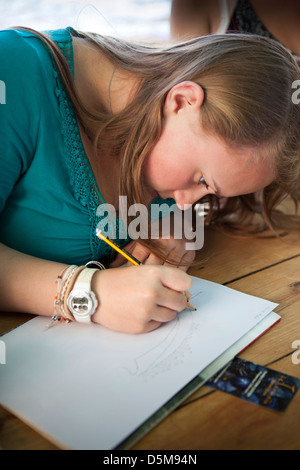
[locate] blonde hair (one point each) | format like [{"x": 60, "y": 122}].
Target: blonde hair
[{"x": 247, "y": 82}]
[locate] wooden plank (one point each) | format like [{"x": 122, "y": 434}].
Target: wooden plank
[
  {"x": 279, "y": 284},
  {"x": 16, "y": 435},
  {"x": 11, "y": 320},
  {"x": 225, "y": 258}
]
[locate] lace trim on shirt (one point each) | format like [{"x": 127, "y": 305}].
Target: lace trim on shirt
[{"x": 81, "y": 175}]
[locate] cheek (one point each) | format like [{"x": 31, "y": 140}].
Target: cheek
[
  {"x": 150, "y": 167},
  {"x": 167, "y": 167},
  {"x": 158, "y": 169}
]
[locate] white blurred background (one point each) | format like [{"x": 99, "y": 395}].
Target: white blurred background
[{"x": 138, "y": 19}]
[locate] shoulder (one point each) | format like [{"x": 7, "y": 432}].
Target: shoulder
[
  {"x": 22, "y": 57},
  {"x": 27, "y": 66},
  {"x": 18, "y": 45},
  {"x": 25, "y": 47},
  {"x": 26, "y": 71}
]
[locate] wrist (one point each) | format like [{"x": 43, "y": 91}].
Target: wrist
[
  {"x": 75, "y": 298},
  {"x": 81, "y": 301},
  {"x": 95, "y": 283}
]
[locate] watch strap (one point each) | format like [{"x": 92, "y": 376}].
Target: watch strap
[{"x": 84, "y": 279}]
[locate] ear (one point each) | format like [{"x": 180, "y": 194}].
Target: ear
[{"x": 184, "y": 95}]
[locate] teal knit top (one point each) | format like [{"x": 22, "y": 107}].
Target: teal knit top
[{"x": 48, "y": 193}]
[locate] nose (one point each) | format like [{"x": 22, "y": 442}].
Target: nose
[{"x": 184, "y": 199}]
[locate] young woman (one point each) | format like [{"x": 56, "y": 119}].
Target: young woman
[{"x": 88, "y": 118}]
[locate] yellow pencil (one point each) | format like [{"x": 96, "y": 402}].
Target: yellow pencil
[
  {"x": 123, "y": 252},
  {"x": 133, "y": 260}
]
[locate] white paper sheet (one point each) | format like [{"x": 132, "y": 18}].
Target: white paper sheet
[{"x": 88, "y": 387}]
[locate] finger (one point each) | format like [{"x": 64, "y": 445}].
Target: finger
[
  {"x": 139, "y": 251},
  {"x": 175, "y": 264},
  {"x": 151, "y": 326},
  {"x": 186, "y": 261},
  {"x": 171, "y": 299},
  {"x": 188, "y": 295},
  {"x": 183, "y": 258},
  {"x": 189, "y": 256},
  {"x": 141, "y": 327},
  {"x": 120, "y": 260},
  {"x": 175, "y": 279},
  {"x": 163, "y": 314},
  {"x": 153, "y": 259}
]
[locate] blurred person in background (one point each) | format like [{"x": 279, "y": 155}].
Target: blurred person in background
[{"x": 270, "y": 18}]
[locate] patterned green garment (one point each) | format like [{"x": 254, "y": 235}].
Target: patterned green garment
[{"x": 48, "y": 193}]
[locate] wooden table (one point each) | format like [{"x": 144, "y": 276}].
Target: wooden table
[{"x": 209, "y": 419}]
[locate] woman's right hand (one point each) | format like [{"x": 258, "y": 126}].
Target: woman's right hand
[{"x": 137, "y": 299}]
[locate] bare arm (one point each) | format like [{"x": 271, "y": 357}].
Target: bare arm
[
  {"x": 193, "y": 18},
  {"x": 27, "y": 283},
  {"x": 134, "y": 300}
]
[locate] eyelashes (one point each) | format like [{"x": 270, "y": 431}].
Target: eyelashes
[{"x": 202, "y": 181}]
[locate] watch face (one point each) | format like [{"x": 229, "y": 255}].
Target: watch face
[{"x": 82, "y": 303}]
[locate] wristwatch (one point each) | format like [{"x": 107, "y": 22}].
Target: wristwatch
[{"x": 82, "y": 301}]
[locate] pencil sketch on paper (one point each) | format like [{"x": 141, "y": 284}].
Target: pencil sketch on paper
[{"x": 171, "y": 348}]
